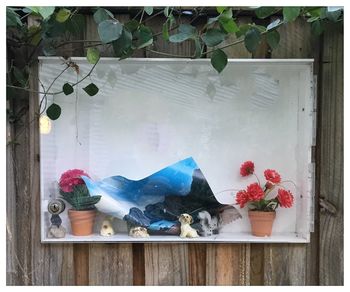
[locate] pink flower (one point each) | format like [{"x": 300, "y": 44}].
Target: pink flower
[
  {"x": 285, "y": 198},
  {"x": 247, "y": 168},
  {"x": 272, "y": 176},
  {"x": 70, "y": 178},
  {"x": 242, "y": 198},
  {"x": 255, "y": 192}
]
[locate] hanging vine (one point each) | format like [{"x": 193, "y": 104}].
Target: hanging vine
[{"x": 57, "y": 26}]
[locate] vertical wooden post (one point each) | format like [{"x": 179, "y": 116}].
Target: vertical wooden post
[{"x": 331, "y": 164}]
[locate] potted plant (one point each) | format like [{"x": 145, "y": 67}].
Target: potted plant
[
  {"x": 262, "y": 200},
  {"x": 74, "y": 191}
]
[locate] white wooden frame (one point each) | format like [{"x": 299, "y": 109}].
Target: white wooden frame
[{"x": 305, "y": 138}]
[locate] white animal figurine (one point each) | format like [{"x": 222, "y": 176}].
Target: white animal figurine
[
  {"x": 186, "y": 229},
  {"x": 138, "y": 232},
  {"x": 107, "y": 228},
  {"x": 209, "y": 225},
  {"x": 56, "y": 231}
]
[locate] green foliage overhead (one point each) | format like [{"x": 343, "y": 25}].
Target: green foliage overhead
[
  {"x": 80, "y": 198},
  {"x": 57, "y": 27},
  {"x": 53, "y": 111}
]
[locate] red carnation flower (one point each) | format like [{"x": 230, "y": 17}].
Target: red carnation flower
[
  {"x": 70, "y": 179},
  {"x": 255, "y": 192},
  {"x": 285, "y": 198},
  {"x": 247, "y": 168},
  {"x": 242, "y": 198},
  {"x": 272, "y": 176}
]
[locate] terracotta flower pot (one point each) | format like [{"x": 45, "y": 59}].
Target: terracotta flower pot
[
  {"x": 82, "y": 222},
  {"x": 261, "y": 222}
]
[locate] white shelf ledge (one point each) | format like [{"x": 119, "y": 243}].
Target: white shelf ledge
[{"x": 223, "y": 237}]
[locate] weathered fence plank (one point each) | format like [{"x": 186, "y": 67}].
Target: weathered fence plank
[
  {"x": 110, "y": 264},
  {"x": 166, "y": 264},
  {"x": 284, "y": 264},
  {"x": 331, "y": 125},
  {"x": 117, "y": 257},
  {"x": 228, "y": 264}
]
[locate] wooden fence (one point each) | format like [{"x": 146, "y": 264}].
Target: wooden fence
[{"x": 319, "y": 263}]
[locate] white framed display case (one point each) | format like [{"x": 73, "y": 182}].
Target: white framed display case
[{"x": 152, "y": 113}]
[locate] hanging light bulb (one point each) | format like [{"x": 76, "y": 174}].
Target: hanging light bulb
[{"x": 45, "y": 124}]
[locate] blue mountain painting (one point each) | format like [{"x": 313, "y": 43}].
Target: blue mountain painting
[{"x": 156, "y": 201}]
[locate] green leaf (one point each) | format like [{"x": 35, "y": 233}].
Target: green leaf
[
  {"x": 144, "y": 37},
  {"x": 102, "y": 14},
  {"x": 75, "y": 24},
  {"x": 186, "y": 31},
  {"x": 123, "y": 44},
  {"x": 273, "y": 39},
  {"x": 179, "y": 37},
  {"x": 67, "y": 89},
  {"x": 261, "y": 28},
  {"x": 263, "y": 12},
  {"x": 127, "y": 54},
  {"x": 187, "y": 28},
  {"x": 220, "y": 9},
  {"x": 312, "y": 19},
  {"x": 62, "y": 15},
  {"x": 92, "y": 55},
  {"x": 290, "y": 13},
  {"x": 213, "y": 37},
  {"x": 219, "y": 60},
  {"x": 91, "y": 89},
  {"x": 165, "y": 31},
  {"x": 228, "y": 24},
  {"x": 46, "y": 11},
  {"x": 226, "y": 14},
  {"x": 132, "y": 25},
  {"x": 12, "y": 18},
  {"x": 35, "y": 34},
  {"x": 333, "y": 15},
  {"x": 243, "y": 30},
  {"x": 53, "y": 111},
  {"x": 317, "y": 27},
  {"x": 148, "y": 10},
  {"x": 273, "y": 24},
  {"x": 109, "y": 30},
  {"x": 252, "y": 39},
  {"x": 166, "y": 11},
  {"x": 212, "y": 20}
]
